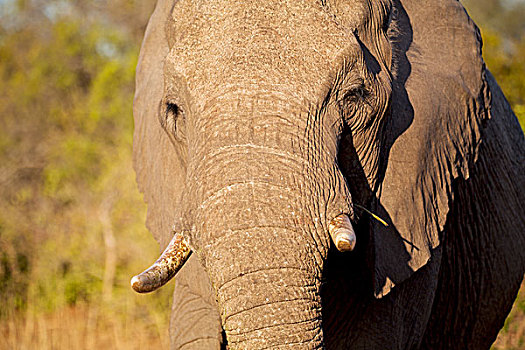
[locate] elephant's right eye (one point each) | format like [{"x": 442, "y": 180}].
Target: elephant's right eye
[{"x": 173, "y": 121}]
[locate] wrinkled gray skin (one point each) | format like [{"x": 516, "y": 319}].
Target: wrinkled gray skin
[{"x": 257, "y": 122}]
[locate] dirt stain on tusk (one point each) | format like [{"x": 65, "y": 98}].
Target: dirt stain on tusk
[{"x": 167, "y": 266}]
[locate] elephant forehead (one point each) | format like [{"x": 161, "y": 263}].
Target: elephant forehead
[{"x": 284, "y": 46}]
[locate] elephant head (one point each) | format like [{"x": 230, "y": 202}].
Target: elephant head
[{"x": 266, "y": 132}]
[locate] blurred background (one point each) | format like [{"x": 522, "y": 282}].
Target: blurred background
[{"x": 72, "y": 228}]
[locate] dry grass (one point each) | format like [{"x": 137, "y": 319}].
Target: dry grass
[
  {"x": 82, "y": 327},
  {"x": 85, "y": 327}
]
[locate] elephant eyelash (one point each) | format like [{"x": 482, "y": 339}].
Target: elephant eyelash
[
  {"x": 391, "y": 13},
  {"x": 386, "y": 22},
  {"x": 173, "y": 111},
  {"x": 172, "y": 120}
]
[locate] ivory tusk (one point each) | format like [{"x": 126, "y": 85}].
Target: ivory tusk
[
  {"x": 342, "y": 233},
  {"x": 169, "y": 263}
]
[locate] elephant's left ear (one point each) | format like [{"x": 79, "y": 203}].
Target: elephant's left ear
[
  {"x": 439, "y": 100},
  {"x": 158, "y": 164}
]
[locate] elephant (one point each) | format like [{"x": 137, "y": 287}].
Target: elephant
[{"x": 334, "y": 174}]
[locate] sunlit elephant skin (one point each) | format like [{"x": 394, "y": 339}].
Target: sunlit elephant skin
[{"x": 347, "y": 175}]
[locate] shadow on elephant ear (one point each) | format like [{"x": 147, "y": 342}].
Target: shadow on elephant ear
[
  {"x": 367, "y": 230},
  {"x": 400, "y": 117}
]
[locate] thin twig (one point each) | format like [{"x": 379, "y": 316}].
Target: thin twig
[{"x": 372, "y": 214}]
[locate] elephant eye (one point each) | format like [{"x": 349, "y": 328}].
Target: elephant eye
[
  {"x": 354, "y": 104},
  {"x": 356, "y": 94},
  {"x": 172, "y": 112},
  {"x": 173, "y": 121}
]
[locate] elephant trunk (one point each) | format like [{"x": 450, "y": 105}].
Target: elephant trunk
[
  {"x": 265, "y": 267},
  {"x": 268, "y": 187},
  {"x": 266, "y": 299},
  {"x": 262, "y": 236}
]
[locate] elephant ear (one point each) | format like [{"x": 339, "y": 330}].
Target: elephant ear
[
  {"x": 158, "y": 163},
  {"x": 439, "y": 101}
]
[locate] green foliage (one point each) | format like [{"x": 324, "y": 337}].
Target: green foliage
[
  {"x": 503, "y": 31},
  {"x": 68, "y": 189},
  {"x": 506, "y": 61}
]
